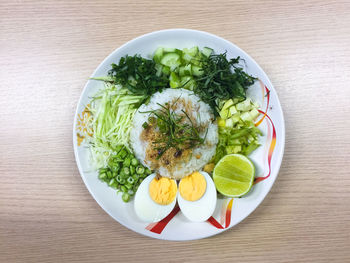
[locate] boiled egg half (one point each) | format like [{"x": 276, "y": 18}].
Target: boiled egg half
[
  {"x": 197, "y": 196},
  {"x": 155, "y": 198}
]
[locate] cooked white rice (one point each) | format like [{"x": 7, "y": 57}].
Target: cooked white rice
[{"x": 204, "y": 116}]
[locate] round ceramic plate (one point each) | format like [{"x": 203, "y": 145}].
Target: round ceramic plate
[{"x": 229, "y": 211}]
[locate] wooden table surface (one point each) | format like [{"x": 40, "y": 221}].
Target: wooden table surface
[{"x": 48, "y": 49}]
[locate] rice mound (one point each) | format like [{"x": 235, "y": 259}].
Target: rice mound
[{"x": 203, "y": 116}]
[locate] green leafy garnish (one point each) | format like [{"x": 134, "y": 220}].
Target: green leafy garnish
[
  {"x": 176, "y": 130},
  {"x": 222, "y": 79},
  {"x": 138, "y": 75}
]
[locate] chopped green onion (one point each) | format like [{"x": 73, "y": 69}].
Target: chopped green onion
[
  {"x": 140, "y": 170},
  {"x": 134, "y": 162},
  {"x": 123, "y": 181},
  {"x": 119, "y": 179},
  {"x": 123, "y": 153},
  {"x": 111, "y": 182},
  {"x": 127, "y": 162},
  {"x": 115, "y": 167},
  {"x": 126, "y": 170},
  {"x": 130, "y": 180},
  {"x": 115, "y": 185},
  {"x": 135, "y": 177},
  {"x": 126, "y": 197},
  {"x": 102, "y": 176}
]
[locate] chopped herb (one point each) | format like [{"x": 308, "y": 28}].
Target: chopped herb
[
  {"x": 138, "y": 75},
  {"x": 222, "y": 79},
  {"x": 177, "y": 130}
]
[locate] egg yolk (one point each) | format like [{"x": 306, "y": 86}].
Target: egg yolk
[
  {"x": 193, "y": 186},
  {"x": 162, "y": 190}
]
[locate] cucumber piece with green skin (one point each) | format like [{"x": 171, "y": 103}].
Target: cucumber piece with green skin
[
  {"x": 158, "y": 54},
  {"x": 196, "y": 61},
  {"x": 233, "y": 110},
  {"x": 185, "y": 70},
  {"x": 159, "y": 69},
  {"x": 193, "y": 51},
  {"x": 197, "y": 71},
  {"x": 187, "y": 82},
  {"x": 174, "y": 80},
  {"x": 166, "y": 70},
  {"x": 181, "y": 65},
  {"x": 227, "y": 104},
  {"x": 169, "y": 49},
  {"x": 187, "y": 57},
  {"x": 245, "y": 116},
  {"x": 172, "y": 60},
  {"x": 206, "y": 51},
  {"x": 244, "y": 105},
  {"x": 254, "y": 113},
  {"x": 185, "y": 50},
  {"x": 178, "y": 51}
]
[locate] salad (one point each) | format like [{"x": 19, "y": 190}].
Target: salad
[{"x": 175, "y": 128}]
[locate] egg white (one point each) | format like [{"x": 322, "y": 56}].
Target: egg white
[
  {"x": 202, "y": 209},
  {"x": 146, "y": 209}
]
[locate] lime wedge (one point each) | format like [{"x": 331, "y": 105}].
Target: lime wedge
[{"x": 234, "y": 175}]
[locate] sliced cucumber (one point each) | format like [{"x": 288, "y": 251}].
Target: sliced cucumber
[
  {"x": 233, "y": 110},
  {"x": 159, "y": 69},
  {"x": 174, "y": 80},
  {"x": 227, "y": 104},
  {"x": 172, "y": 60},
  {"x": 166, "y": 70},
  {"x": 158, "y": 54},
  {"x": 193, "y": 51},
  {"x": 181, "y": 65},
  {"x": 254, "y": 113},
  {"x": 187, "y": 82},
  {"x": 169, "y": 49},
  {"x": 206, "y": 51},
  {"x": 197, "y": 71},
  {"x": 185, "y": 70},
  {"x": 245, "y": 116},
  {"x": 196, "y": 61},
  {"x": 244, "y": 105},
  {"x": 178, "y": 51}
]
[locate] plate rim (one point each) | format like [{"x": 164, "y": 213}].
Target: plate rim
[{"x": 282, "y": 127}]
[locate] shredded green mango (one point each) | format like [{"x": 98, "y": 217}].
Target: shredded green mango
[{"x": 112, "y": 109}]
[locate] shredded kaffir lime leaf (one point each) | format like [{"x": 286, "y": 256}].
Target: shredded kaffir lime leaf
[
  {"x": 138, "y": 75},
  {"x": 222, "y": 79}
]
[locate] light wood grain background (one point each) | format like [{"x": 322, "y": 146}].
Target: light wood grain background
[{"x": 48, "y": 49}]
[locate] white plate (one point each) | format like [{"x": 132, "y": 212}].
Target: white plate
[{"x": 267, "y": 158}]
